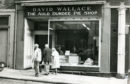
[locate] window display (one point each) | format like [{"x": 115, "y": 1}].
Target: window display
[{"x": 76, "y": 41}]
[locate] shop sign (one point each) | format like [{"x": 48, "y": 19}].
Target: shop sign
[{"x": 64, "y": 10}]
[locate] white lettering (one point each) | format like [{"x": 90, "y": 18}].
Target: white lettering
[
  {"x": 77, "y": 13},
  {"x": 31, "y": 13},
  {"x": 59, "y": 8},
  {"x": 43, "y": 13},
  {"x": 34, "y": 9},
  {"x": 61, "y": 13},
  {"x": 91, "y": 13}
]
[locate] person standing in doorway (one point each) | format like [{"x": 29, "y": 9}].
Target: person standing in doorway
[
  {"x": 47, "y": 58},
  {"x": 55, "y": 60},
  {"x": 37, "y": 59}
]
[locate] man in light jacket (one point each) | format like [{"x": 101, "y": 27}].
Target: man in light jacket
[{"x": 37, "y": 59}]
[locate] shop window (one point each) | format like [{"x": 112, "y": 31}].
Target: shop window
[{"x": 76, "y": 41}]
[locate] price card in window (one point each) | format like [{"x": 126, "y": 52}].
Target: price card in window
[{"x": 67, "y": 52}]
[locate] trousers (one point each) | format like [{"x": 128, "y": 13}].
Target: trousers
[
  {"x": 36, "y": 67},
  {"x": 47, "y": 67}
]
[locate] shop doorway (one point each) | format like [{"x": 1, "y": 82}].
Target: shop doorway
[
  {"x": 41, "y": 40},
  {"x": 41, "y": 34}
]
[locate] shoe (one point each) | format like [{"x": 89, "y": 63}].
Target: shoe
[
  {"x": 46, "y": 73},
  {"x": 55, "y": 73},
  {"x": 36, "y": 75}
]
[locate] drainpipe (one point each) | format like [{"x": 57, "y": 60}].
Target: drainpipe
[
  {"x": 121, "y": 41},
  {"x": 15, "y": 30}
]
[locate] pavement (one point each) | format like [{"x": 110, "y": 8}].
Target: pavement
[{"x": 28, "y": 75}]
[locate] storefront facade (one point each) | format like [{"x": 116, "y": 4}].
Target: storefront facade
[{"x": 86, "y": 33}]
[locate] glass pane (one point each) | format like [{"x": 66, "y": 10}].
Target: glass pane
[
  {"x": 77, "y": 41},
  {"x": 3, "y": 20}
]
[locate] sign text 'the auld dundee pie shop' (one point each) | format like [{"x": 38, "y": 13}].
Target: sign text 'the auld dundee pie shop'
[{"x": 65, "y": 10}]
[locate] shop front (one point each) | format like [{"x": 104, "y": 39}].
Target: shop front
[{"x": 76, "y": 30}]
